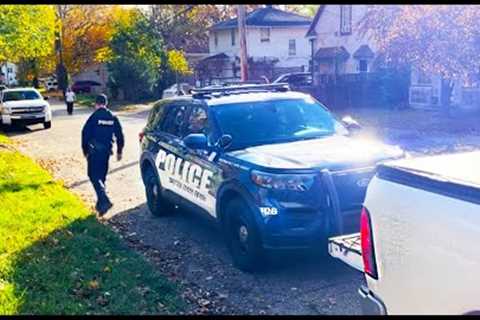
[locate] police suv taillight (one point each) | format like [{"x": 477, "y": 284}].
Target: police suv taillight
[
  {"x": 366, "y": 238},
  {"x": 140, "y": 136}
]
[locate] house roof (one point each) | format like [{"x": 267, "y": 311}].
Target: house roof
[
  {"x": 311, "y": 31},
  {"x": 217, "y": 56},
  {"x": 266, "y": 17},
  {"x": 364, "y": 52},
  {"x": 332, "y": 52}
]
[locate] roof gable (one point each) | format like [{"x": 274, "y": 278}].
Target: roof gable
[
  {"x": 363, "y": 51},
  {"x": 332, "y": 53},
  {"x": 311, "y": 31},
  {"x": 267, "y": 17}
]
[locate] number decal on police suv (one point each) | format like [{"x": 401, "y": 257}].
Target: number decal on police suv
[
  {"x": 269, "y": 211},
  {"x": 186, "y": 178}
]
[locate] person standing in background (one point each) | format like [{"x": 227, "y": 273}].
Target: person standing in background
[{"x": 70, "y": 99}]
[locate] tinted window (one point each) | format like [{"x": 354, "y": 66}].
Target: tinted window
[
  {"x": 174, "y": 120},
  {"x": 197, "y": 121},
  {"x": 156, "y": 116},
  {"x": 276, "y": 121},
  {"x": 300, "y": 79},
  {"x": 20, "y": 95}
]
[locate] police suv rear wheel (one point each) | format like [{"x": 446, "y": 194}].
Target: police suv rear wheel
[
  {"x": 47, "y": 125},
  {"x": 243, "y": 238},
  {"x": 156, "y": 203}
]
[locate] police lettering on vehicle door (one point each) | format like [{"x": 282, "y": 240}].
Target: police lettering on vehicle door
[{"x": 186, "y": 178}]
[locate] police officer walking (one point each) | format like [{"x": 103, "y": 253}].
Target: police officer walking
[{"x": 97, "y": 140}]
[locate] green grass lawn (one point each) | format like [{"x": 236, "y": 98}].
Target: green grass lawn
[
  {"x": 86, "y": 99},
  {"x": 4, "y": 139},
  {"x": 55, "y": 258}
]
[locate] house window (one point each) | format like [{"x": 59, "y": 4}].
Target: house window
[
  {"x": 345, "y": 19},
  {"x": 232, "y": 32},
  {"x": 215, "y": 38},
  {"x": 423, "y": 78},
  {"x": 292, "y": 49},
  {"x": 363, "y": 65},
  {"x": 265, "y": 35},
  {"x": 420, "y": 95}
]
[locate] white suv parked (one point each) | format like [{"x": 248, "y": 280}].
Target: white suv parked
[{"x": 25, "y": 106}]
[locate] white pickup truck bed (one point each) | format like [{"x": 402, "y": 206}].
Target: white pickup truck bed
[{"x": 425, "y": 221}]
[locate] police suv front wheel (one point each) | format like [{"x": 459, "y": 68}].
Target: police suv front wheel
[
  {"x": 243, "y": 238},
  {"x": 156, "y": 203},
  {"x": 47, "y": 125}
]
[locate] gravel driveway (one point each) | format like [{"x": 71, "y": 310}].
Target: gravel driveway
[{"x": 185, "y": 247}]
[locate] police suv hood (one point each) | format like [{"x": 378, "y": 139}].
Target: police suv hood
[
  {"x": 333, "y": 152},
  {"x": 25, "y": 103}
]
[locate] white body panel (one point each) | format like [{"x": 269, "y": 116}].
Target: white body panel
[
  {"x": 172, "y": 91},
  {"x": 186, "y": 179},
  {"x": 427, "y": 250}
]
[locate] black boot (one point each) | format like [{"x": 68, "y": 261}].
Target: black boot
[{"x": 103, "y": 207}]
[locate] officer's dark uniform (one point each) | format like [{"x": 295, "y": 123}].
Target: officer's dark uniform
[{"x": 97, "y": 138}]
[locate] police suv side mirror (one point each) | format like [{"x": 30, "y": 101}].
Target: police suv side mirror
[
  {"x": 45, "y": 98},
  {"x": 351, "y": 124},
  {"x": 196, "y": 141},
  {"x": 224, "y": 141}
]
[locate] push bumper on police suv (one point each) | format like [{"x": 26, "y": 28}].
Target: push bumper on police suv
[{"x": 303, "y": 218}]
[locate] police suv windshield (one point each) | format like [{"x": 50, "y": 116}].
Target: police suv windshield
[{"x": 275, "y": 121}]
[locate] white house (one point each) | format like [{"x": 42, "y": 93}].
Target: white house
[
  {"x": 9, "y": 72},
  {"x": 271, "y": 34},
  {"x": 337, "y": 46}
]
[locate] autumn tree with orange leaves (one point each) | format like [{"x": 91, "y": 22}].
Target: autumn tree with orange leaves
[
  {"x": 83, "y": 32},
  {"x": 436, "y": 39}
]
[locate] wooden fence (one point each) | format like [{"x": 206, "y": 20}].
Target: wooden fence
[{"x": 388, "y": 89}]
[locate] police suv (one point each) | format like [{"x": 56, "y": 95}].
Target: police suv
[{"x": 274, "y": 168}]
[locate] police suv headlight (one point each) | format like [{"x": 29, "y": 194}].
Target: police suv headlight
[{"x": 294, "y": 182}]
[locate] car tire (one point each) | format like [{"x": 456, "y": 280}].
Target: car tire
[
  {"x": 243, "y": 238},
  {"x": 157, "y": 204},
  {"x": 47, "y": 124}
]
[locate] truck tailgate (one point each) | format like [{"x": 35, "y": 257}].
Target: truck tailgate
[{"x": 348, "y": 249}]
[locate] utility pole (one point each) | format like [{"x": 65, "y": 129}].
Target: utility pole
[
  {"x": 61, "y": 71},
  {"x": 243, "y": 43}
]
